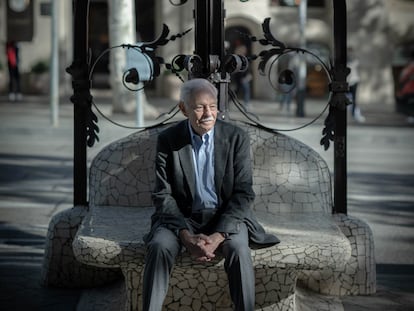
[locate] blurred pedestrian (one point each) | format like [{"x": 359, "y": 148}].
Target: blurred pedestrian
[
  {"x": 12, "y": 52},
  {"x": 405, "y": 89},
  {"x": 243, "y": 78},
  {"x": 286, "y": 81},
  {"x": 353, "y": 81}
]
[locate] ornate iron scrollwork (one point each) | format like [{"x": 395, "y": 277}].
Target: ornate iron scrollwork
[{"x": 338, "y": 88}]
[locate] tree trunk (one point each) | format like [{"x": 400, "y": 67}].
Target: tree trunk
[{"x": 121, "y": 31}]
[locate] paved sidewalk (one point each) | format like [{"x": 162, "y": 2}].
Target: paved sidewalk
[{"x": 36, "y": 183}]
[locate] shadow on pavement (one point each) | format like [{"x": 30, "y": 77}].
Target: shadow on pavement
[{"x": 21, "y": 259}]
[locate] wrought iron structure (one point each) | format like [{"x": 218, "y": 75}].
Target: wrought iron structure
[
  {"x": 81, "y": 99},
  {"x": 210, "y": 61}
]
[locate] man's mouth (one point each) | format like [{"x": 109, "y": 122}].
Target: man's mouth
[{"x": 210, "y": 119}]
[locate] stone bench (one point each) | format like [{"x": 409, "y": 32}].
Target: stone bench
[
  {"x": 292, "y": 183},
  {"x": 293, "y": 200}
]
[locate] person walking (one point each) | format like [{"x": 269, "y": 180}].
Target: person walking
[
  {"x": 353, "y": 80},
  {"x": 243, "y": 78},
  {"x": 12, "y": 52},
  {"x": 286, "y": 81}
]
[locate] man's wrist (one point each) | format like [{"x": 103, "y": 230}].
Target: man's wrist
[{"x": 182, "y": 232}]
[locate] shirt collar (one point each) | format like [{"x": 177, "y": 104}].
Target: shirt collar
[{"x": 209, "y": 134}]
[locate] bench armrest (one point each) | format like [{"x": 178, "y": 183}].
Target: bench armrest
[{"x": 110, "y": 235}]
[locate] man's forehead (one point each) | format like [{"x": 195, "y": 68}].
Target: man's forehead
[{"x": 201, "y": 93}]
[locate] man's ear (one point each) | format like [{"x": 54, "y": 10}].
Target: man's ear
[{"x": 182, "y": 108}]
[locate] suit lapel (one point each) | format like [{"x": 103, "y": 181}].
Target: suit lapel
[
  {"x": 186, "y": 157},
  {"x": 221, "y": 150}
]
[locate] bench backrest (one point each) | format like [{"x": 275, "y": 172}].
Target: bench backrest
[{"x": 288, "y": 175}]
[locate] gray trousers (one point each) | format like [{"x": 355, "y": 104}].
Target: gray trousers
[{"x": 164, "y": 247}]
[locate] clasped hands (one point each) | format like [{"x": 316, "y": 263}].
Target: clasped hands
[{"x": 202, "y": 247}]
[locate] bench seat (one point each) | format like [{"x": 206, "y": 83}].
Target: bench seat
[
  {"x": 309, "y": 241},
  {"x": 293, "y": 200}
]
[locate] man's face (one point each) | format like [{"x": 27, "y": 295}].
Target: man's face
[{"x": 202, "y": 112}]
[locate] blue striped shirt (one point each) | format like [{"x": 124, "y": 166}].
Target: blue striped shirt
[{"x": 203, "y": 159}]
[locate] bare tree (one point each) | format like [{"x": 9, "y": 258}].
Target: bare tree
[{"x": 121, "y": 31}]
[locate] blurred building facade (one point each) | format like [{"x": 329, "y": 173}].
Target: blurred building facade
[
  {"x": 381, "y": 31},
  {"x": 29, "y": 24}
]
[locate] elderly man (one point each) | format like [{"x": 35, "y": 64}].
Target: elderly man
[{"x": 202, "y": 197}]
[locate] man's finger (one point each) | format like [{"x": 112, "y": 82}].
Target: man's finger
[
  {"x": 203, "y": 259},
  {"x": 205, "y": 238}
]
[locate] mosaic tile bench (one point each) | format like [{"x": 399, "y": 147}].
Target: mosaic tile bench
[{"x": 292, "y": 183}]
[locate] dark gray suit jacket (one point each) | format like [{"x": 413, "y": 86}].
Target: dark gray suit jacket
[{"x": 175, "y": 182}]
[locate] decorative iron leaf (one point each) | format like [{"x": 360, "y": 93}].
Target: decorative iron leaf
[
  {"x": 162, "y": 39},
  {"x": 269, "y": 36},
  {"x": 92, "y": 129},
  {"x": 180, "y": 35},
  {"x": 328, "y": 132},
  {"x": 266, "y": 55}
]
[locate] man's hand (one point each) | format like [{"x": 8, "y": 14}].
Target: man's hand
[
  {"x": 214, "y": 242},
  {"x": 201, "y": 246}
]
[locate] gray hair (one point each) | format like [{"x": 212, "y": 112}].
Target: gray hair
[{"x": 193, "y": 86}]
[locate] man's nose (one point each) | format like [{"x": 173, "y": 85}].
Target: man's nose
[{"x": 207, "y": 110}]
